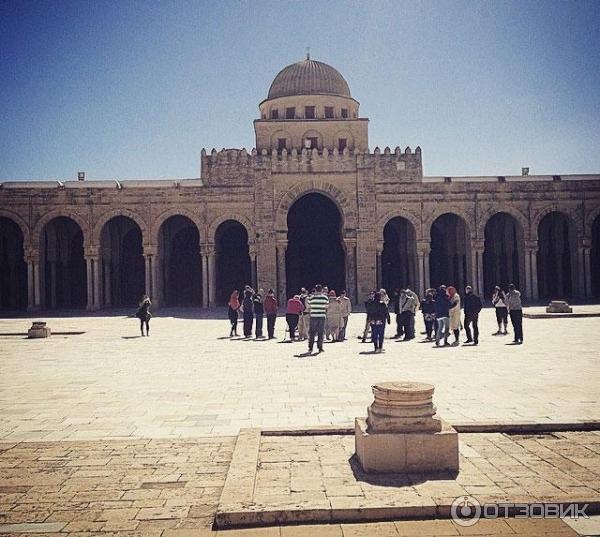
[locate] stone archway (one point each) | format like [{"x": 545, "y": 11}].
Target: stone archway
[
  {"x": 315, "y": 251},
  {"x": 123, "y": 268},
  {"x": 233, "y": 265},
  {"x": 179, "y": 265},
  {"x": 503, "y": 259},
  {"x": 556, "y": 256},
  {"x": 450, "y": 251},
  {"x": 64, "y": 277},
  {"x": 399, "y": 255},
  {"x": 13, "y": 269}
]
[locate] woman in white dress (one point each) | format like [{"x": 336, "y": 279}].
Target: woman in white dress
[{"x": 333, "y": 322}]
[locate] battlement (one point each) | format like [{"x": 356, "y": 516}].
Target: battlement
[{"x": 236, "y": 166}]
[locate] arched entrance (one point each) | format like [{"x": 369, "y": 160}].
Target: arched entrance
[
  {"x": 399, "y": 256},
  {"x": 233, "y": 269},
  {"x": 13, "y": 269},
  {"x": 595, "y": 258},
  {"x": 315, "y": 252},
  {"x": 64, "y": 278},
  {"x": 503, "y": 261},
  {"x": 448, "y": 259},
  {"x": 123, "y": 268},
  {"x": 179, "y": 262},
  {"x": 556, "y": 256}
]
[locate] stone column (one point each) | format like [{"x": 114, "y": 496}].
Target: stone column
[
  {"x": 531, "y": 291},
  {"x": 378, "y": 265},
  {"x": 107, "y": 283},
  {"x": 212, "y": 276},
  {"x": 204, "y": 260},
  {"x": 351, "y": 288},
  {"x": 281, "y": 276},
  {"x": 253, "y": 275},
  {"x": 52, "y": 284},
  {"x": 30, "y": 289},
  {"x": 584, "y": 270},
  {"x": 151, "y": 275},
  {"x": 96, "y": 265},
  {"x": 476, "y": 282},
  {"x": 90, "y": 283},
  {"x": 37, "y": 283},
  {"x": 423, "y": 249}
]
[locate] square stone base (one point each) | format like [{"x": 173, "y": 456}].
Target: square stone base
[
  {"x": 38, "y": 332},
  {"x": 406, "y": 452}
]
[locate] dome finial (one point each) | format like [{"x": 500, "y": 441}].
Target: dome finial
[{"x": 308, "y": 53}]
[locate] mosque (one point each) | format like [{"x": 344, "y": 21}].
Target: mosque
[{"x": 312, "y": 202}]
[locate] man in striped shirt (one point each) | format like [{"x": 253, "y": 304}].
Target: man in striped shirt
[{"x": 318, "y": 303}]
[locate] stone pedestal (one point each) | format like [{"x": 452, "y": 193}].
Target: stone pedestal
[
  {"x": 402, "y": 432},
  {"x": 558, "y": 306},
  {"x": 38, "y": 330}
]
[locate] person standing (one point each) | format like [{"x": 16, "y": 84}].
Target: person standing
[
  {"x": 428, "y": 309},
  {"x": 333, "y": 320},
  {"x": 377, "y": 318},
  {"x": 454, "y": 313},
  {"x": 346, "y": 307},
  {"x": 408, "y": 307},
  {"x": 292, "y": 314},
  {"x": 384, "y": 297},
  {"x": 248, "y": 309},
  {"x": 499, "y": 302},
  {"x": 515, "y": 309},
  {"x": 368, "y": 304},
  {"x": 259, "y": 312},
  {"x": 318, "y": 303},
  {"x": 303, "y": 319},
  {"x": 442, "y": 313},
  {"x": 144, "y": 315},
  {"x": 399, "y": 331},
  {"x": 472, "y": 307},
  {"x": 416, "y": 308},
  {"x": 270, "y": 308},
  {"x": 232, "y": 311}
]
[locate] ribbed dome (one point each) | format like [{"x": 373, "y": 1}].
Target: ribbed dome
[{"x": 308, "y": 77}]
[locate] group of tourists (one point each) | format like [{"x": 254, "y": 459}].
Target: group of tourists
[
  {"x": 316, "y": 315},
  {"x": 320, "y": 314},
  {"x": 441, "y": 309}
]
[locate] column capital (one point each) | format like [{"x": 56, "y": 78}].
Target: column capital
[
  {"x": 281, "y": 243},
  {"x": 531, "y": 245},
  {"x": 584, "y": 243},
  {"x": 478, "y": 245},
  {"x": 91, "y": 252},
  {"x": 207, "y": 248},
  {"x": 380, "y": 245},
  {"x": 350, "y": 241},
  {"x": 150, "y": 250},
  {"x": 31, "y": 253}
]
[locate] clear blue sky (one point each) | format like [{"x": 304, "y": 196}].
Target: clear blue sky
[{"x": 126, "y": 89}]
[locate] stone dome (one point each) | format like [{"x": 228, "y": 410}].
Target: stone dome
[{"x": 308, "y": 77}]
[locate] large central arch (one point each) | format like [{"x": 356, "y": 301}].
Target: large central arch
[{"x": 315, "y": 251}]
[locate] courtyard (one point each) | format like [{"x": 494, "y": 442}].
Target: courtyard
[{"x": 105, "y": 432}]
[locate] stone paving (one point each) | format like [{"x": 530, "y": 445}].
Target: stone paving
[
  {"x": 320, "y": 472},
  {"x": 189, "y": 380},
  {"x": 106, "y": 433}
]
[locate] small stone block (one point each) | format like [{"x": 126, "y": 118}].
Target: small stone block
[
  {"x": 38, "y": 329},
  {"x": 406, "y": 452}
]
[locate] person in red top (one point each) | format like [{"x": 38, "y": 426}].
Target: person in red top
[
  {"x": 232, "y": 312},
  {"x": 270, "y": 306},
  {"x": 292, "y": 314}
]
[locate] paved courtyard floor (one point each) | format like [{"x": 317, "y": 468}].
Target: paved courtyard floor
[
  {"x": 107, "y": 433},
  {"x": 189, "y": 380}
]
